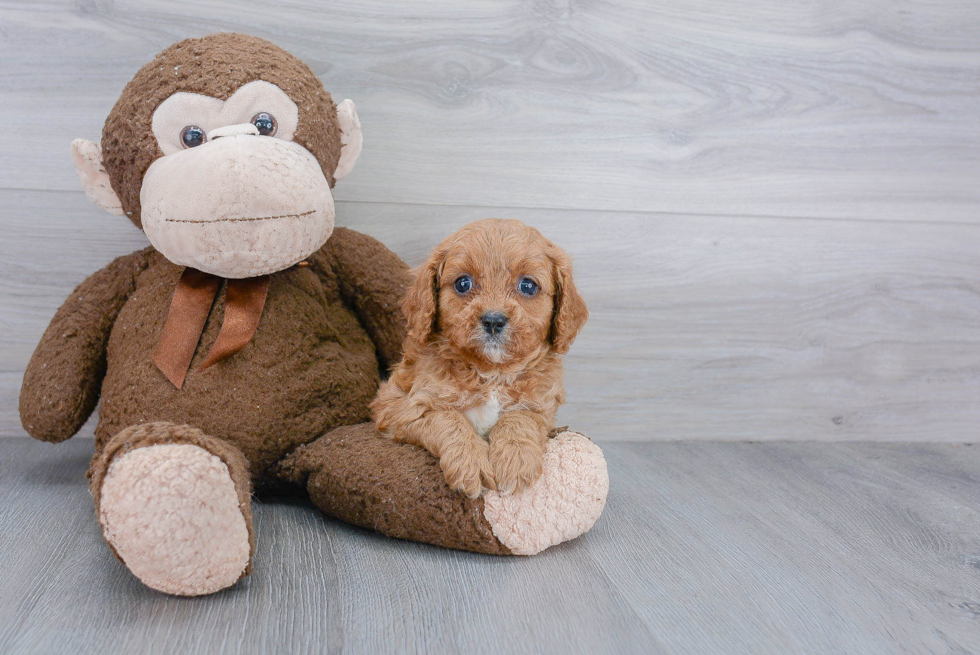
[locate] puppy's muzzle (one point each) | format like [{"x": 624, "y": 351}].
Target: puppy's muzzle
[{"x": 494, "y": 323}]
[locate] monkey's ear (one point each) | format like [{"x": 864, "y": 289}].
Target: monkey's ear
[
  {"x": 350, "y": 137},
  {"x": 87, "y": 158}
]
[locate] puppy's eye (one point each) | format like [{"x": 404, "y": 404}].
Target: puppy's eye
[
  {"x": 192, "y": 136},
  {"x": 463, "y": 284},
  {"x": 265, "y": 123},
  {"x": 527, "y": 286}
]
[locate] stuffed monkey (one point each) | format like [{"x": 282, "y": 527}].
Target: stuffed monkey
[{"x": 251, "y": 327}]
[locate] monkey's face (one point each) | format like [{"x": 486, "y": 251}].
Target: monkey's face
[
  {"x": 224, "y": 151},
  {"x": 232, "y": 194}
]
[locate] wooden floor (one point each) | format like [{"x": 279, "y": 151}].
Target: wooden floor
[{"x": 703, "y": 548}]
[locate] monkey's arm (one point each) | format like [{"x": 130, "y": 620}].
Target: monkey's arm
[
  {"x": 63, "y": 379},
  {"x": 372, "y": 281}
]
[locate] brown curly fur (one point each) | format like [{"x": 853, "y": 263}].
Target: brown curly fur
[
  {"x": 314, "y": 363},
  {"x": 327, "y": 332},
  {"x": 450, "y": 368}
]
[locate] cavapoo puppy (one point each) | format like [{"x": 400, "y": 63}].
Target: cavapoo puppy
[{"x": 489, "y": 316}]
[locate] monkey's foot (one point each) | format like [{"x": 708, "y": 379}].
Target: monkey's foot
[
  {"x": 359, "y": 476},
  {"x": 173, "y": 515},
  {"x": 562, "y": 504}
]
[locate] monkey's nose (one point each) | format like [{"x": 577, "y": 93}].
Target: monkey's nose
[
  {"x": 232, "y": 130},
  {"x": 493, "y": 322}
]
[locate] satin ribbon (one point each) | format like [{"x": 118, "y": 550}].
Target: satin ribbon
[{"x": 189, "y": 310}]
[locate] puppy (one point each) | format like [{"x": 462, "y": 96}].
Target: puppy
[{"x": 489, "y": 316}]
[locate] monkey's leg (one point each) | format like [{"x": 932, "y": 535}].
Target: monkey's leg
[
  {"x": 175, "y": 507},
  {"x": 357, "y": 475}
]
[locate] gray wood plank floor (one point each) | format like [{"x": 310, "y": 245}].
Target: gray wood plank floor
[{"x": 703, "y": 548}]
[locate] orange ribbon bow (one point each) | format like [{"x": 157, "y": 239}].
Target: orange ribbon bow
[{"x": 189, "y": 310}]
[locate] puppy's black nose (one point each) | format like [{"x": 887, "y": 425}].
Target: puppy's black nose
[{"x": 493, "y": 322}]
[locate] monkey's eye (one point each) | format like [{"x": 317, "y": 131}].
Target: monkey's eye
[
  {"x": 463, "y": 284},
  {"x": 527, "y": 286},
  {"x": 192, "y": 136},
  {"x": 265, "y": 123}
]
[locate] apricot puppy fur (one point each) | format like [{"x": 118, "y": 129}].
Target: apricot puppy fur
[{"x": 489, "y": 316}]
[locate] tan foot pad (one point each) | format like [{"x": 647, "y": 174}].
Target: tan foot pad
[
  {"x": 564, "y": 503},
  {"x": 171, "y": 513}
]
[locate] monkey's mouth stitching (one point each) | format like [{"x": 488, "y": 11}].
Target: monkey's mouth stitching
[{"x": 239, "y": 220}]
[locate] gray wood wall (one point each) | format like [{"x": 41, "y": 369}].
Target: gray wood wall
[{"x": 772, "y": 206}]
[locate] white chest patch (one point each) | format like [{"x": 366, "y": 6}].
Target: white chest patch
[{"x": 483, "y": 417}]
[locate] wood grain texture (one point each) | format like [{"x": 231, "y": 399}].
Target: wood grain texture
[
  {"x": 701, "y": 328},
  {"x": 805, "y": 108},
  {"x": 703, "y": 548}
]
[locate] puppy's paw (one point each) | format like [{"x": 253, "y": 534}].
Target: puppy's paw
[
  {"x": 467, "y": 467},
  {"x": 516, "y": 464}
]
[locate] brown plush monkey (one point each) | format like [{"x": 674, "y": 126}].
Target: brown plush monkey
[{"x": 249, "y": 328}]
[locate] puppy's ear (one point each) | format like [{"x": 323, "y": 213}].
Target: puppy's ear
[
  {"x": 570, "y": 312},
  {"x": 421, "y": 303}
]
